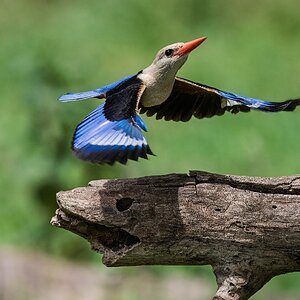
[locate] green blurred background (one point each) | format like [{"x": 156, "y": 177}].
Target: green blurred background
[{"x": 52, "y": 47}]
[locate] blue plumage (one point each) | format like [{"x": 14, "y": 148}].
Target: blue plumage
[
  {"x": 113, "y": 131},
  {"x": 98, "y": 93},
  {"x": 80, "y": 96},
  {"x": 256, "y": 103},
  {"x": 140, "y": 122},
  {"x": 98, "y": 140}
]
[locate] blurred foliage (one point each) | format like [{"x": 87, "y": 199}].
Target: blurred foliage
[{"x": 51, "y": 47}]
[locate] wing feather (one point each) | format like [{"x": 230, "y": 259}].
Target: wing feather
[
  {"x": 113, "y": 131},
  {"x": 98, "y": 93},
  {"x": 189, "y": 99}
]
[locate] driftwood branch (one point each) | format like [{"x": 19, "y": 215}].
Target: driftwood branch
[{"x": 246, "y": 228}]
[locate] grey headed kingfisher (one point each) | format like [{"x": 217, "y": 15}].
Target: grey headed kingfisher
[{"x": 113, "y": 132}]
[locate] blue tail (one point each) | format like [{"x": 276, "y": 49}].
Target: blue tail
[
  {"x": 266, "y": 106},
  {"x": 98, "y": 140}
]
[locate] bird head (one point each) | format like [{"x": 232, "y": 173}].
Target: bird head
[{"x": 175, "y": 55}]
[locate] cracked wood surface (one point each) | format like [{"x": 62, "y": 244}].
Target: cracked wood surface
[{"x": 246, "y": 228}]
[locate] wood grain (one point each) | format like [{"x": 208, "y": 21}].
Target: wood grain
[{"x": 246, "y": 228}]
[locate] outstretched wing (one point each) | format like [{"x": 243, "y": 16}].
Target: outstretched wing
[
  {"x": 98, "y": 93},
  {"x": 113, "y": 131},
  {"x": 189, "y": 99}
]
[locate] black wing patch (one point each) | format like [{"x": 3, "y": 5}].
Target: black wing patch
[
  {"x": 121, "y": 102},
  {"x": 192, "y": 99}
]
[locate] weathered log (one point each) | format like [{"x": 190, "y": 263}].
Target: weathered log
[{"x": 246, "y": 228}]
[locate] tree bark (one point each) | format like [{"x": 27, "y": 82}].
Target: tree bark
[{"x": 246, "y": 228}]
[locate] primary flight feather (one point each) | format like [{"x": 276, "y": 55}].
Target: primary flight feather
[{"x": 114, "y": 131}]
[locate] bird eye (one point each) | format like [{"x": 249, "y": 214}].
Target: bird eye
[{"x": 169, "y": 52}]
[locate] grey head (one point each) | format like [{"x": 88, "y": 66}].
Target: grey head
[
  {"x": 159, "y": 77},
  {"x": 173, "y": 56}
]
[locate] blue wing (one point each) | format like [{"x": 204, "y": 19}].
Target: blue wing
[
  {"x": 258, "y": 104},
  {"x": 113, "y": 131},
  {"x": 99, "y": 140},
  {"x": 98, "y": 93}
]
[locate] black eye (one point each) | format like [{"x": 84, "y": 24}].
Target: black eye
[{"x": 169, "y": 52}]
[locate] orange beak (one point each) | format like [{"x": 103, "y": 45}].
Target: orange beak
[{"x": 189, "y": 46}]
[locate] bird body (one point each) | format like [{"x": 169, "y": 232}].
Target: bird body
[
  {"x": 158, "y": 88},
  {"x": 159, "y": 77},
  {"x": 113, "y": 131}
]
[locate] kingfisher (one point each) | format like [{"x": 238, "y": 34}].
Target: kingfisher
[{"x": 113, "y": 132}]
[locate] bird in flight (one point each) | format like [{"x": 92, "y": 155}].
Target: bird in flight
[{"x": 113, "y": 132}]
